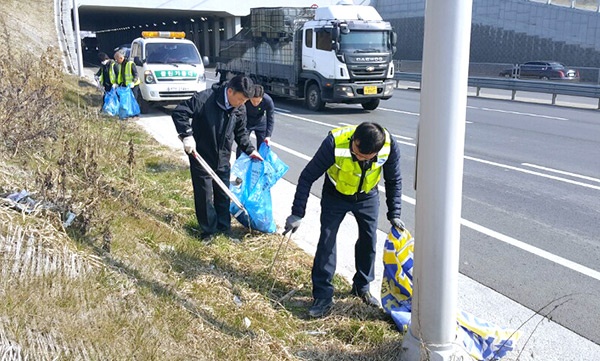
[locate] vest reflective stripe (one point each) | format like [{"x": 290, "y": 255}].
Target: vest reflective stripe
[
  {"x": 111, "y": 74},
  {"x": 128, "y": 74},
  {"x": 345, "y": 174}
]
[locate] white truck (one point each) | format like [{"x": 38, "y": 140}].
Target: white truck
[
  {"x": 331, "y": 54},
  {"x": 169, "y": 66}
]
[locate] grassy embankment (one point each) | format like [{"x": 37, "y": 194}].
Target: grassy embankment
[{"x": 128, "y": 279}]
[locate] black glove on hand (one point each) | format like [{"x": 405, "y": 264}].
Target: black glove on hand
[
  {"x": 397, "y": 222},
  {"x": 292, "y": 223}
]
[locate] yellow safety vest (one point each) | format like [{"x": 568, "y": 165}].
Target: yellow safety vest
[
  {"x": 111, "y": 74},
  {"x": 128, "y": 74},
  {"x": 346, "y": 173}
]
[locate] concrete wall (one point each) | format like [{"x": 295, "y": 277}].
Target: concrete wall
[{"x": 507, "y": 31}]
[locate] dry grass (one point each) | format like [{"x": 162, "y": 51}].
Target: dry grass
[{"x": 128, "y": 279}]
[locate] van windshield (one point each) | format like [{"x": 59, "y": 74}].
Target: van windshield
[{"x": 169, "y": 53}]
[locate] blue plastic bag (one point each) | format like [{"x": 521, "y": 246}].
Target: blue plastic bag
[
  {"x": 111, "y": 103},
  {"x": 252, "y": 186},
  {"x": 128, "y": 105}
]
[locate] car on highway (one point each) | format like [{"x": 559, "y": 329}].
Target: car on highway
[
  {"x": 544, "y": 70},
  {"x": 126, "y": 48}
]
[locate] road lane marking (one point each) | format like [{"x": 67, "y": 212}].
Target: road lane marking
[
  {"x": 398, "y": 111},
  {"x": 561, "y": 172},
  {"x": 565, "y": 180},
  {"x": 522, "y": 170},
  {"x": 517, "y": 113},
  {"x": 393, "y": 135},
  {"x": 488, "y": 232}
]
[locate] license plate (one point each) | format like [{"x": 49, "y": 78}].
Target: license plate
[
  {"x": 176, "y": 89},
  {"x": 370, "y": 89}
]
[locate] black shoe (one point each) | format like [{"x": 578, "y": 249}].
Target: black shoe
[
  {"x": 366, "y": 297},
  {"x": 320, "y": 307}
]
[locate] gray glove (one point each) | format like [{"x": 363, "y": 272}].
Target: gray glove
[
  {"x": 397, "y": 222},
  {"x": 292, "y": 223}
]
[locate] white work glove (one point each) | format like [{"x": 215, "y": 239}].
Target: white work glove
[
  {"x": 256, "y": 155},
  {"x": 115, "y": 86},
  {"x": 131, "y": 85},
  {"x": 189, "y": 144},
  {"x": 292, "y": 223},
  {"x": 268, "y": 140},
  {"x": 397, "y": 222}
]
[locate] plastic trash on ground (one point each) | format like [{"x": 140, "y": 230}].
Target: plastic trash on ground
[{"x": 482, "y": 340}]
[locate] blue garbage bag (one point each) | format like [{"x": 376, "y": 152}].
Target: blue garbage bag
[
  {"x": 128, "y": 105},
  {"x": 252, "y": 184},
  {"x": 483, "y": 340},
  {"x": 111, "y": 103}
]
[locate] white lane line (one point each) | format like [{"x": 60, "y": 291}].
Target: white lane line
[
  {"x": 565, "y": 180},
  {"x": 534, "y": 250},
  {"x": 517, "y": 113},
  {"x": 283, "y": 110},
  {"x": 491, "y": 233},
  {"x": 393, "y": 135},
  {"x": 527, "y": 171},
  {"x": 398, "y": 111},
  {"x": 561, "y": 172}
]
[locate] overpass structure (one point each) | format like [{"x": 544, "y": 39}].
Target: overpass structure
[{"x": 205, "y": 22}]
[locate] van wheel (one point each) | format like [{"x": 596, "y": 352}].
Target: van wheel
[
  {"x": 314, "y": 101},
  {"x": 144, "y": 105},
  {"x": 371, "y": 104}
]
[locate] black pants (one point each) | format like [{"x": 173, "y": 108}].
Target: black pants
[
  {"x": 260, "y": 134},
  {"x": 211, "y": 202},
  {"x": 333, "y": 211}
]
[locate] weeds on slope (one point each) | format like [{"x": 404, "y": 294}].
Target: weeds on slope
[{"x": 128, "y": 279}]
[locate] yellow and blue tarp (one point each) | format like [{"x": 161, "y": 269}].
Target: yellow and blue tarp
[{"x": 483, "y": 340}]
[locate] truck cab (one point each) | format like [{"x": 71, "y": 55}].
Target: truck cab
[
  {"x": 347, "y": 57},
  {"x": 169, "y": 66}
]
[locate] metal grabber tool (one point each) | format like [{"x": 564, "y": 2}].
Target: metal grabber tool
[{"x": 222, "y": 185}]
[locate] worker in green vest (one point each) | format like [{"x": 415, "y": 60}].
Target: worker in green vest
[
  {"x": 106, "y": 76},
  {"x": 127, "y": 74},
  {"x": 353, "y": 158}
]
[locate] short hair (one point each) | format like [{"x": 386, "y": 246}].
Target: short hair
[
  {"x": 102, "y": 56},
  {"x": 120, "y": 52},
  {"x": 259, "y": 91},
  {"x": 370, "y": 137},
  {"x": 242, "y": 84}
]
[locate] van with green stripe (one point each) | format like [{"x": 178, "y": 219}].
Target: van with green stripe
[{"x": 169, "y": 66}]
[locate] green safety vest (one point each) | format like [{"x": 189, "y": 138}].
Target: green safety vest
[
  {"x": 128, "y": 74},
  {"x": 111, "y": 74},
  {"x": 346, "y": 173}
]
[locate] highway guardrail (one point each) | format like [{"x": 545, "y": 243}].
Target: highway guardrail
[{"x": 514, "y": 85}]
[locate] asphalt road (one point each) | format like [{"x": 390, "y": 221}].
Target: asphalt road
[{"x": 531, "y": 193}]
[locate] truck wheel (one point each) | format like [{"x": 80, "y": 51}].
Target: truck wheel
[
  {"x": 371, "y": 104},
  {"x": 144, "y": 105},
  {"x": 314, "y": 101}
]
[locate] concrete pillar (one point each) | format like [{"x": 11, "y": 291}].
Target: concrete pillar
[
  {"x": 233, "y": 25},
  {"x": 217, "y": 35},
  {"x": 205, "y": 39},
  {"x": 77, "y": 38}
]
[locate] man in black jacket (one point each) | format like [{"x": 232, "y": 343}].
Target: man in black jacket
[
  {"x": 353, "y": 158},
  {"x": 260, "y": 111},
  {"x": 218, "y": 118}
]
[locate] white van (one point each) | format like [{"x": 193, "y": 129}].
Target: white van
[{"x": 169, "y": 66}]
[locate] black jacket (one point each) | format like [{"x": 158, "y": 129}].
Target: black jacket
[
  {"x": 213, "y": 126},
  {"x": 324, "y": 158},
  {"x": 262, "y": 116}
]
